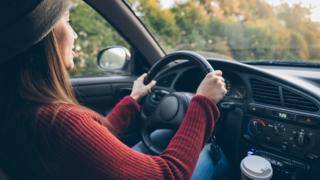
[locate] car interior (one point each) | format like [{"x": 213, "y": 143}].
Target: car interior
[{"x": 270, "y": 110}]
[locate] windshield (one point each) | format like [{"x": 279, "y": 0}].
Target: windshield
[{"x": 242, "y": 30}]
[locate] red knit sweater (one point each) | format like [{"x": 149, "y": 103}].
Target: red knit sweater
[{"x": 78, "y": 147}]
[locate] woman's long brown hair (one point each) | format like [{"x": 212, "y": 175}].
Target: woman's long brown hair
[
  {"x": 44, "y": 79},
  {"x": 34, "y": 78}
]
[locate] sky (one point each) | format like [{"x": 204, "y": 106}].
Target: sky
[{"x": 315, "y": 4}]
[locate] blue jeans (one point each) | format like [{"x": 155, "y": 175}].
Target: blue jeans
[{"x": 205, "y": 168}]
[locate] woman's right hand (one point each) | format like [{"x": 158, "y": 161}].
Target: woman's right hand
[{"x": 213, "y": 86}]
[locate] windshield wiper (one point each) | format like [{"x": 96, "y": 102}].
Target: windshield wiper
[{"x": 283, "y": 63}]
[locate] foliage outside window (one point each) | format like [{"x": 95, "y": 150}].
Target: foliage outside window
[
  {"x": 94, "y": 34},
  {"x": 235, "y": 29}
]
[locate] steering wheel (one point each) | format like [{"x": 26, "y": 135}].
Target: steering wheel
[{"x": 169, "y": 112}]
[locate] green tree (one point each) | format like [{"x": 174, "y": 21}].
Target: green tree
[
  {"x": 240, "y": 29},
  {"x": 94, "y": 34},
  {"x": 161, "y": 22}
]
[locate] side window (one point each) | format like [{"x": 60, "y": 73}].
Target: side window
[{"x": 94, "y": 34}]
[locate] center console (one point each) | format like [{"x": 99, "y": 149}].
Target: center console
[{"x": 289, "y": 140}]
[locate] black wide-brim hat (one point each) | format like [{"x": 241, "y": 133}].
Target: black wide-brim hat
[{"x": 25, "y": 22}]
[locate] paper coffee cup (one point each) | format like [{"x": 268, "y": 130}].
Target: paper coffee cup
[{"x": 256, "y": 168}]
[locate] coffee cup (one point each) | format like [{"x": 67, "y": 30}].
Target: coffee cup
[{"x": 255, "y": 167}]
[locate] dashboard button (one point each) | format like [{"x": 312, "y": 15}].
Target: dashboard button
[
  {"x": 284, "y": 115},
  {"x": 279, "y": 164},
  {"x": 294, "y": 145},
  {"x": 301, "y": 139},
  {"x": 256, "y": 110},
  {"x": 284, "y": 147},
  {"x": 267, "y": 138},
  {"x": 279, "y": 129},
  {"x": 252, "y": 108}
]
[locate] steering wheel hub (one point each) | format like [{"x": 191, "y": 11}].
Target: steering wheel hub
[{"x": 168, "y": 108}]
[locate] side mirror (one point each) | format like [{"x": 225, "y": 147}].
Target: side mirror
[{"x": 113, "y": 58}]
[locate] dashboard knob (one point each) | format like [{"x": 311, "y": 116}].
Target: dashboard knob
[
  {"x": 255, "y": 126},
  {"x": 279, "y": 129},
  {"x": 301, "y": 139}
]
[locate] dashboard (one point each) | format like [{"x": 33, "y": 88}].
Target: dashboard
[{"x": 270, "y": 111}]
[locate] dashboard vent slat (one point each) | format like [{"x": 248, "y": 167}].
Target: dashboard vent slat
[
  {"x": 264, "y": 92},
  {"x": 296, "y": 101}
]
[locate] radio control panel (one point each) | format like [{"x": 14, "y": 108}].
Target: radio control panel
[{"x": 290, "y": 133}]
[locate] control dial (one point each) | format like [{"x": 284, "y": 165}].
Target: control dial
[
  {"x": 255, "y": 126},
  {"x": 279, "y": 129},
  {"x": 302, "y": 139}
]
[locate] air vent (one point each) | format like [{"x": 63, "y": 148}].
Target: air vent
[
  {"x": 166, "y": 81},
  {"x": 266, "y": 93},
  {"x": 295, "y": 101}
]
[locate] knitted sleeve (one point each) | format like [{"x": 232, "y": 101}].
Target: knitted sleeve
[
  {"x": 122, "y": 115},
  {"x": 89, "y": 151}
]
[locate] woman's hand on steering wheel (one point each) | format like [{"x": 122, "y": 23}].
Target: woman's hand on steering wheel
[
  {"x": 139, "y": 89},
  {"x": 213, "y": 86}
]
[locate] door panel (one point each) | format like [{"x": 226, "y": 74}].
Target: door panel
[{"x": 102, "y": 93}]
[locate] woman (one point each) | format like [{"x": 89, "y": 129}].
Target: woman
[{"x": 46, "y": 134}]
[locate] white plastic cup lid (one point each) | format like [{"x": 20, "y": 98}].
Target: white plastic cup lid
[{"x": 256, "y": 168}]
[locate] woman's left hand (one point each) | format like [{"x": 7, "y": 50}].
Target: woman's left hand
[{"x": 139, "y": 89}]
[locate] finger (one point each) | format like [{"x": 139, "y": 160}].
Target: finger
[
  {"x": 217, "y": 72},
  {"x": 225, "y": 91},
  {"x": 151, "y": 84},
  {"x": 221, "y": 78},
  {"x": 221, "y": 84},
  {"x": 215, "y": 79},
  {"x": 143, "y": 76}
]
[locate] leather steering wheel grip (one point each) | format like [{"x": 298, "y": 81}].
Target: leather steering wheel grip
[{"x": 188, "y": 55}]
